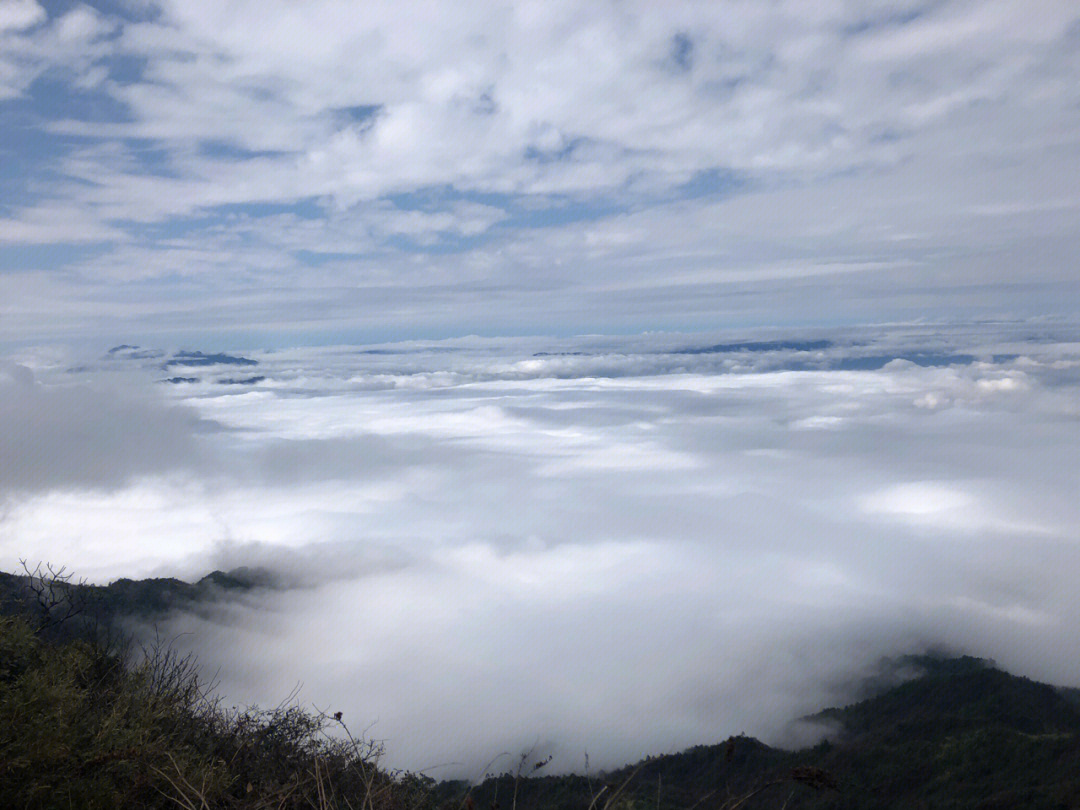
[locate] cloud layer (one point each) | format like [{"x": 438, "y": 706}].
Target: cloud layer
[{"x": 615, "y": 545}]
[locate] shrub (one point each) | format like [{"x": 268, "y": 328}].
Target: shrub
[{"x": 83, "y": 724}]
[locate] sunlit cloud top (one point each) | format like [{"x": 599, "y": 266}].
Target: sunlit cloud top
[{"x": 329, "y": 169}]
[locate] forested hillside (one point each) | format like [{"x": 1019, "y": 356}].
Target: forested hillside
[{"x": 88, "y": 723}]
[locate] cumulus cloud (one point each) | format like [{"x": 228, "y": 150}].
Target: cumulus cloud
[
  {"x": 616, "y": 167},
  {"x": 34, "y": 45}
]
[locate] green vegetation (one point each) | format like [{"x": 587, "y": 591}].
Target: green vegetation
[
  {"x": 50, "y": 597},
  {"x": 962, "y": 735},
  {"x": 87, "y": 727},
  {"x": 85, "y": 722}
]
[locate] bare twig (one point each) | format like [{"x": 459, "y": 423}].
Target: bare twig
[{"x": 55, "y": 594}]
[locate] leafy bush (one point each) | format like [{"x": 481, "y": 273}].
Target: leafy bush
[{"x": 85, "y": 725}]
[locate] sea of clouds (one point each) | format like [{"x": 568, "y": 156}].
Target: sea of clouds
[{"x": 620, "y": 545}]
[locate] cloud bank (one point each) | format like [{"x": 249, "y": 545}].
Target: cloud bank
[
  {"x": 619, "y": 545},
  {"x": 89, "y": 435}
]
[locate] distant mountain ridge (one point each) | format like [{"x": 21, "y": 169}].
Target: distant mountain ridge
[
  {"x": 146, "y": 599},
  {"x": 962, "y": 734},
  {"x": 957, "y": 733}
]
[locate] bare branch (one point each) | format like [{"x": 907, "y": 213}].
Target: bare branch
[{"x": 57, "y": 598}]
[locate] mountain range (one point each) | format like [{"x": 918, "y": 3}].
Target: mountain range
[{"x": 957, "y": 732}]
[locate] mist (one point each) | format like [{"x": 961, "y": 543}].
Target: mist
[{"x": 618, "y": 546}]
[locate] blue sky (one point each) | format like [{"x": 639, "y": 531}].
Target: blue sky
[{"x": 257, "y": 172}]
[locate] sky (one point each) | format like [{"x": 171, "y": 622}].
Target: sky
[
  {"x": 590, "y": 377},
  {"x": 272, "y": 174}
]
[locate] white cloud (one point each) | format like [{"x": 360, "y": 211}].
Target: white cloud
[
  {"x": 904, "y": 154},
  {"x": 55, "y": 222},
  {"x": 18, "y": 15},
  {"x": 29, "y": 48},
  {"x": 592, "y": 76},
  {"x": 63, "y": 436},
  {"x": 920, "y": 500},
  {"x": 567, "y": 529}
]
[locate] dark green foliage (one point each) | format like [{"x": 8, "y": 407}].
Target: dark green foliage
[
  {"x": 82, "y": 726},
  {"x": 960, "y": 694},
  {"x": 716, "y": 776},
  {"x": 962, "y": 735},
  {"x": 74, "y": 609}
]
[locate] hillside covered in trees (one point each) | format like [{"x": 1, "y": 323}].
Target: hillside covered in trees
[{"x": 88, "y": 721}]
